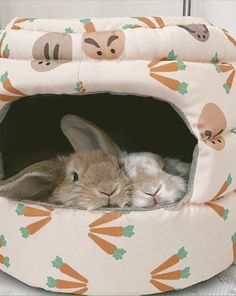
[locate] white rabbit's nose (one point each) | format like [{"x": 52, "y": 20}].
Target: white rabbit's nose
[{"x": 153, "y": 194}]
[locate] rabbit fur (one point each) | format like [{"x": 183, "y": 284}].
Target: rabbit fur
[
  {"x": 98, "y": 174},
  {"x": 155, "y": 180},
  {"x": 89, "y": 179}
]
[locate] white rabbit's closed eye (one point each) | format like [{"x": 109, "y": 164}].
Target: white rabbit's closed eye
[
  {"x": 90, "y": 178},
  {"x": 172, "y": 189}
]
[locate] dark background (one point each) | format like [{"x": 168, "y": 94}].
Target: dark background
[{"x": 31, "y": 131}]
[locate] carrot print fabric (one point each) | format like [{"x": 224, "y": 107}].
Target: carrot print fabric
[{"x": 187, "y": 62}]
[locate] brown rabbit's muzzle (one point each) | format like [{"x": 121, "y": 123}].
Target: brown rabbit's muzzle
[
  {"x": 90, "y": 178},
  {"x": 114, "y": 194},
  {"x": 110, "y": 187},
  {"x": 100, "y": 182}
]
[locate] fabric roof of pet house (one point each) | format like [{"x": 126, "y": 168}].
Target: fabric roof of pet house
[{"x": 185, "y": 61}]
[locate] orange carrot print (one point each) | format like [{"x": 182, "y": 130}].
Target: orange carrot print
[
  {"x": 115, "y": 231},
  {"x": 153, "y": 63},
  {"x": 170, "y": 57},
  {"x": 51, "y": 209},
  {"x": 62, "y": 284},
  {"x": 20, "y": 20},
  {"x": 173, "y": 84},
  {"x": 147, "y": 22},
  {"x": 161, "y": 287},
  {"x": 173, "y": 56},
  {"x": 108, "y": 217},
  {"x": 222, "y": 212},
  {"x": 179, "y": 65},
  {"x": 79, "y": 88},
  {"x": 29, "y": 211},
  {"x": 229, "y": 82},
  {"x": 112, "y": 231},
  {"x": 152, "y": 24},
  {"x": 88, "y": 25},
  {"x": 4, "y": 260},
  {"x": 3, "y": 242},
  {"x": 231, "y": 39},
  {"x": 173, "y": 275},
  {"x": 223, "y": 67},
  {"x": 7, "y": 98},
  {"x": 34, "y": 227},
  {"x": 215, "y": 59},
  {"x": 171, "y": 261},
  {"x": 131, "y": 26},
  {"x": 169, "y": 82},
  {"x": 233, "y": 239},
  {"x": 2, "y": 39},
  {"x": 127, "y": 231},
  {"x": 223, "y": 188},
  {"x": 156, "y": 274},
  {"x": 4, "y": 50},
  {"x": 66, "y": 269},
  {"x": 7, "y": 85},
  {"x": 170, "y": 67},
  {"x": 108, "y": 247},
  {"x": 160, "y": 21},
  {"x": 80, "y": 284}
]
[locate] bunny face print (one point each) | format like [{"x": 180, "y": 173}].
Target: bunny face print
[
  {"x": 199, "y": 31},
  {"x": 103, "y": 45},
  {"x": 51, "y": 50},
  {"x": 211, "y": 125}
]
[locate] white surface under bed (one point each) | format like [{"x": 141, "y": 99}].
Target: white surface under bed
[{"x": 222, "y": 284}]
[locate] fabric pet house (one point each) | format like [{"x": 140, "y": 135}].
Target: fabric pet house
[{"x": 187, "y": 62}]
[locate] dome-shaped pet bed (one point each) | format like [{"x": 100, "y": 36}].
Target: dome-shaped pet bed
[{"x": 187, "y": 62}]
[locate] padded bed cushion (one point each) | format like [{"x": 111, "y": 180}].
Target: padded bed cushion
[{"x": 187, "y": 62}]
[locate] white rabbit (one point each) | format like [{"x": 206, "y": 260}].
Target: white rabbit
[
  {"x": 154, "y": 179},
  {"x": 89, "y": 179}
]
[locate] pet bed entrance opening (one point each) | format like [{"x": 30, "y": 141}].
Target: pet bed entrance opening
[{"x": 30, "y": 131}]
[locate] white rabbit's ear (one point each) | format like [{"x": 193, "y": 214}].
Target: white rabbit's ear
[
  {"x": 84, "y": 135},
  {"x": 35, "y": 182}
]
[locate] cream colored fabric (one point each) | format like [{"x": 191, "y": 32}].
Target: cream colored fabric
[
  {"x": 185, "y": 61},
  {"x": 220, "y": 285}
]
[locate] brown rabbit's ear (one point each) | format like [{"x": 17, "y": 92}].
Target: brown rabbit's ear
[
  {"x": 84, "y": 135},
  {"x": 35, "y": 182}
]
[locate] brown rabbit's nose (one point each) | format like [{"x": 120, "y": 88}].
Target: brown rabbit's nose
[{"x": 109, "y": 194}]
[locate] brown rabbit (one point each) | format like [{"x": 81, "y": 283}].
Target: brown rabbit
[{"x": 89, "y": 179}]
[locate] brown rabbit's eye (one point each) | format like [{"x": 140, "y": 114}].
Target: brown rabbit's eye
[{"x": 75, "y": 177}]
